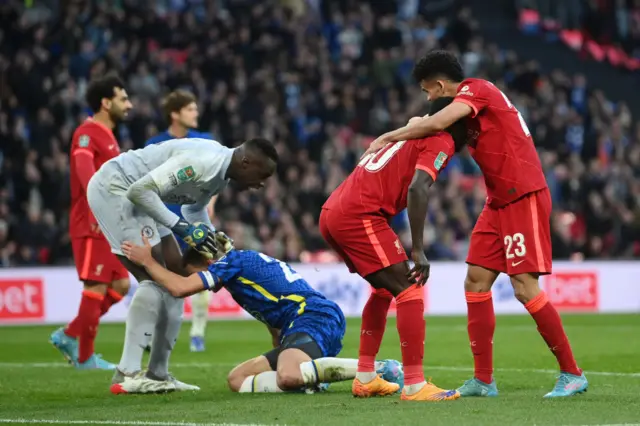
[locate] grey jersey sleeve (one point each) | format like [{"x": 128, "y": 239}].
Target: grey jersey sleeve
[
  {"x": 197, "y": 212},
  {"x": 145, "y": 194}
]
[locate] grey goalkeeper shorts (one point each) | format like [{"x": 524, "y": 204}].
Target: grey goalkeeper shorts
[{"x": 119, "y": 219}]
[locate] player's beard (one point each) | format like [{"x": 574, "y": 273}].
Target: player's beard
[{"x": 117, "y": 115}]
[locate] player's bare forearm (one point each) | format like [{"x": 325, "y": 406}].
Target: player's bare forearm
[
  {"x": 417, "y": 203},
  {"x": 430, "y": 124},
  {"x": 175, "y": 284}
]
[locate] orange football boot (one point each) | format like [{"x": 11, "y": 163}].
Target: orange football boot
[
  {"x": 431, "y": 392},
  {"x": 376, "y": 387}
]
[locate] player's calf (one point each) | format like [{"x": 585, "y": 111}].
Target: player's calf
[
  {"x": 249, "y": 368},
  {"x": 525, "y": 287},
  {"x": 550, "y": 328},
  {"x": 481, "y": 322}
]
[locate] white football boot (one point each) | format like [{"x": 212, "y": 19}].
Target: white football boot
[
  {"x": 142, "y": 385},
  {"x": 181, "y": 386}
]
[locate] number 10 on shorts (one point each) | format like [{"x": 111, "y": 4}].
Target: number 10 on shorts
[{"x": 515, "y": 247}]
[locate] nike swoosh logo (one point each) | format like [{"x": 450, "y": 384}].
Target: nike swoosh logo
[
  {"x": 147, "y": 334},
  {"x": 514, "y": 264}
]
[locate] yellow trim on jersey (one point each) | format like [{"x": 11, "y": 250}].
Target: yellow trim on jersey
[
  {"x": 259, "y": 289},
  {"x": 300, "y": 300}
]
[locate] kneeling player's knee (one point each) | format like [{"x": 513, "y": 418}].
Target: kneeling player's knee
[
  {"x": 525, "y": 287},
  {"x": 289, "y": 378},
  {"x": 235, "y": 380}
]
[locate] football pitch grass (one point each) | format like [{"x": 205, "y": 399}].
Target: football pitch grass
[{"x": 37, "y": 387}]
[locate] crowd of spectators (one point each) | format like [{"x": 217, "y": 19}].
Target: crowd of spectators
[
  {"x": 318, "y": 77},
  {"x": 608, "y": 22}
]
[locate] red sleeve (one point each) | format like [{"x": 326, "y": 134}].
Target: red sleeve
[
  {"x": 434, "y": 154},
  {"x": 86, "y": 144},
  {"x": 473, "y": 93},
  {"x": 84, "y": 170}
]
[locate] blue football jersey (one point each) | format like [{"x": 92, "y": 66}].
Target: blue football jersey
[
  {"x": 166, "y": 136},
  {"x": 269, "y": 289}
]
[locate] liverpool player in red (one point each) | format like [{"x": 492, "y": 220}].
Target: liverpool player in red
[
  {"x": 105, "y": 279},
  {"x": 512, "y": 234},
  {"x": 355, "y": 222}
]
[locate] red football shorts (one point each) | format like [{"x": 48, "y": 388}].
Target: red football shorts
[
  {"x": 95, "y": 262},
  {"x": 516, "y": 238},
  {"x": 366, "y": 243}
]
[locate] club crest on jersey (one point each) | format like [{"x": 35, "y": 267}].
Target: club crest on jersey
[
  {"x": 147, "y": 231},
  {"x": 185, "y": 174},
  {"x": 465, "y": 91},
  {"x": 83, "y": 141},
  {"x": 440, "y": 159}
]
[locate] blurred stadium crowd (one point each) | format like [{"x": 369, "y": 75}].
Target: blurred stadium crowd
[
  {"x": 604, "y": 21},
  {"x": 318, "y": 77}
]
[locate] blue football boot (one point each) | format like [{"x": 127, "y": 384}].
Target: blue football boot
[
  {"x": 68, "y": 346},
  {"x": 568, "y": 385}
]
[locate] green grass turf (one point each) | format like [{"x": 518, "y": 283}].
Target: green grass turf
[{"x": 602, "y": 343}]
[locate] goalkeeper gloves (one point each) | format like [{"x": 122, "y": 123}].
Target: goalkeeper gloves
[
  {"x": 224, "y": 242},
  {"x": 198, "y": 236}
]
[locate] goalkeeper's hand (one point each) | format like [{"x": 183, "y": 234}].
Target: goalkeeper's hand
[
  {"x": 198, "y": 236},
  {"x": 224, "y": 242}
]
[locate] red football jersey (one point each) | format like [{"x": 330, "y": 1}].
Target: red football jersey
[
  {"x": 92, "y": 142},
  {"x": 380, "y": 182},
  {"x": 500, "y": 142}
]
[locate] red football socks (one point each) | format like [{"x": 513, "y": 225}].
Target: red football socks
[
  {"x": 411, "y": 328},
  {"x": 85, "y": 326},
  {"x": 374, "y": 322},
  {"x": 111, "y": 298},
  {"x": 481, "y": 324},
  {"x": 550, "y": 328}
]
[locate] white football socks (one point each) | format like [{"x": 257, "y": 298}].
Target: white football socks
[
  {"x": 265, "y": 382},
  {"x": 140, "y": 325},
  {"x": 367, "y": 376},
  {"x": 411, "y": 389},
  {"x": 321, "y": 370},
  {"x": 200, "y": 312},
  {"x": 165, "y": 336},
  {"x": 328, "y": 370}
]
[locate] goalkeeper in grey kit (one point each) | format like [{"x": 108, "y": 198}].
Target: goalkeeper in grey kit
[{"x": 127, "y": 197}]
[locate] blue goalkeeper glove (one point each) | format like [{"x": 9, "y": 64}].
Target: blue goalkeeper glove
[{"x": 198, "y": 236}]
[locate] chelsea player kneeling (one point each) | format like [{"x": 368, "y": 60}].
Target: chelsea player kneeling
[{"x": 307, "y": 328}]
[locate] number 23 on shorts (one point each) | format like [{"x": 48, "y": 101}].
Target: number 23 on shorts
[{"x": 515, "y": 249}]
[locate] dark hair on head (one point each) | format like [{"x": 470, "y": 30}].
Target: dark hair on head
[
  {"x": 175, "y": 101},
  {"x": 101, "y": 88},
  {"x": 457, "y": 130},
  {"x": 193, "y": 257},
  {"x": 438, "y": 63},
  {"x": 264, "y": 146}
]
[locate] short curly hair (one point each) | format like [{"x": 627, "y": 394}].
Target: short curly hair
[
  {"x": 438, "y": 63},
  {"x": 102, "y": 88}
]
